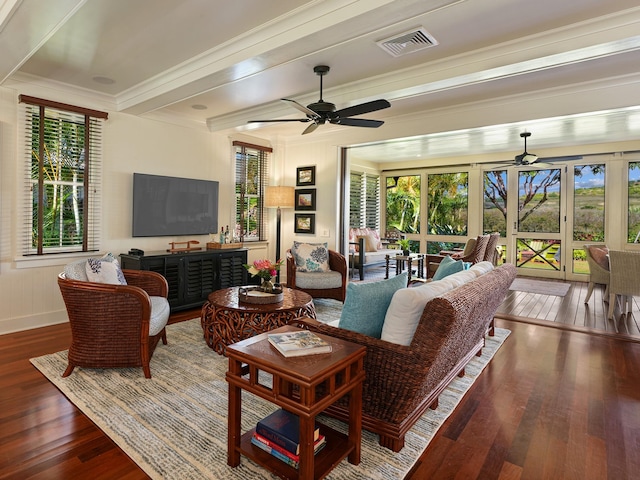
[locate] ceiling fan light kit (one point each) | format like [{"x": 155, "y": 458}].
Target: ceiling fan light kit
[{"x": 320, "y": 112}]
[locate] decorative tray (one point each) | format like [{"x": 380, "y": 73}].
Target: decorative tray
[
  {"x": 218, "y": 246},
  {"x": 256, "y": 295}
]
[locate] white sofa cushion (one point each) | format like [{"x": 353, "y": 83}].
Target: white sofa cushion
[
  {"x": 406, "y": 308},
  {"x": 481, "y": 268},
  {"x": 407, "y": 305}
]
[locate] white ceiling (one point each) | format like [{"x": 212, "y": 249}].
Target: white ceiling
[{"x": 235, "y": 60}]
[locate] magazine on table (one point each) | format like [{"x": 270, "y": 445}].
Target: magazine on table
[{"x": 294, "y": 344}]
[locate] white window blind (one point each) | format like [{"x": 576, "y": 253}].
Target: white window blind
[
  {"x": 252, "y": 171},
  {"x": 62, "y": 197},
  {"x": 364, "y": 200}
]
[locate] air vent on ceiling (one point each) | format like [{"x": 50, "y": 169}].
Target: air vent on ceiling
[{"x": 407, "y": 42}]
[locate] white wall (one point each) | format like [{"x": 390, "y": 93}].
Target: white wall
[{"x": 29, "y": 294}]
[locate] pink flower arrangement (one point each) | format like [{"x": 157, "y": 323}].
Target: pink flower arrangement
[{"x": 264, "y": 268}]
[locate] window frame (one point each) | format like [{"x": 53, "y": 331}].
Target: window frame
[
  {"x": 242, "y": 154},
  {"x": 35, "y": 109}
]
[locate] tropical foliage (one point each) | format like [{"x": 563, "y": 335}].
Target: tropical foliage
[
  {"x": 403, "y": 203},
  {"x": 59, "y": 167}
]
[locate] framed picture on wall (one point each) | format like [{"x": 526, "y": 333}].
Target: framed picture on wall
[
  {"x": 305, "y": 223},
  {"x": 305, "y": 176},
  {"x": 306, "y": 199}
]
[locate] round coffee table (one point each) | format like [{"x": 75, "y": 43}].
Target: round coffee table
[{"x": 226, "y": 320}]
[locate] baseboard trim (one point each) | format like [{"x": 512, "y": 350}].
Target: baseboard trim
[{"x": 19, "y": 324}]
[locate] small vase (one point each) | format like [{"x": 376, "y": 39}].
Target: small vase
[{"x": 267, "y": 285}]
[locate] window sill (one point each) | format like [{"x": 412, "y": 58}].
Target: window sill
[{"x": 51, "y": 260}]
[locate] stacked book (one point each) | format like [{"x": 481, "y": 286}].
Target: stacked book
[{"x": 279, "y": 435}]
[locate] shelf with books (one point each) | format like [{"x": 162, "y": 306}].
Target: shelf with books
[
  {"x": 294, "y": 388},
  {"x": 334, "y": 451}
]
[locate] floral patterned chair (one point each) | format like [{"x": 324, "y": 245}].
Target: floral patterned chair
[{"x": 316, "y": 270}]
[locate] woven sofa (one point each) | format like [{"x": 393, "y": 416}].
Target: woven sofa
[
  {"x": 402, "y": 381},
  {"x": 366, "y": 249}
]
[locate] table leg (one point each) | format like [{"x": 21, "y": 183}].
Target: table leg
[
  {"x": 409, "y": 270},
  {"x": 235, "y": 411},
  {"x": 355, "y": 423},
  {"x": 386, "y": 269},
  {"x": 306, "y": 467}
]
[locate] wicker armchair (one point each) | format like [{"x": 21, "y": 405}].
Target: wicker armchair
[
  {"x": 624, "y": 279},
  {"x": 110, "y": 324},
  {"x": 318, "y": 288},
  {"x": 597, "y": 274}
]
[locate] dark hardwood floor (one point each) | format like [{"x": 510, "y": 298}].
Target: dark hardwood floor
[{"x": 560, "y": 400}]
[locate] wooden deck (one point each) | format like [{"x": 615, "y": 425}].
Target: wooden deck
[{"x": 571, "y": 312}]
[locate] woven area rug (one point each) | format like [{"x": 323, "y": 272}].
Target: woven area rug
[
  {"x": 542, "y": 287},
  {"x": 174, "y": 425}
]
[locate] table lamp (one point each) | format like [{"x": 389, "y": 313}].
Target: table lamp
[{"x": 278, "y": 197}]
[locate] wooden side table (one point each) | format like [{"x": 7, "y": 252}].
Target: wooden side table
[
  {"x": 408, "y": 259},
  {"x": 226, "y": 320},
  {"x": 304, "y": 386}
]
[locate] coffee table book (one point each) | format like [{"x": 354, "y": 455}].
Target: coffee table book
[
  {"x": 283, "y": 428},
  {"x": 295, "y": 344},
  {"x": 281, "y": 453}
]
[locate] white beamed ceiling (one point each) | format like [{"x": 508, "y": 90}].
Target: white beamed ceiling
[{"x": 239, "y": 58}]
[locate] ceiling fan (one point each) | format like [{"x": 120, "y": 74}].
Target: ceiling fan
[
  {"x": 321, "y": 112},
  {"x": 525, "y": 158}
]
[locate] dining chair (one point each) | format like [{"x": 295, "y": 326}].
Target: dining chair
[{"x": 624, "y": 279}]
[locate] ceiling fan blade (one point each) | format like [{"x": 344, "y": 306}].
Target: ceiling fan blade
[
  {"x": 310, "y": 128},
  {"x": 362, "y": 108},
  {"x": 302, "y": 108},
  {"x": 304, "y": 120},
  {"x": 357, "y": 122}
]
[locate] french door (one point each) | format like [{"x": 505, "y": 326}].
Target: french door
[{"x": 537, "y": 220}]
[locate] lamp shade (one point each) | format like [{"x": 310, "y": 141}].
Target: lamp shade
[{"x": 279, "y": 197}]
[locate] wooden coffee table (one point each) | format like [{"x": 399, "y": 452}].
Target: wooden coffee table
[
  {"x": 226, "y": 320},
  {"x": 304, "y": 386}
]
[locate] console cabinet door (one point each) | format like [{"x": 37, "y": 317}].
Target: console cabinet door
[
  {"x": 199, "y": 278},
  {"x": 232, "y": 272}
]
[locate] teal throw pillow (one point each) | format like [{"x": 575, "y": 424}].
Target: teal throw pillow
[
  {"x": 366, "y": 305},
  {"x": 448, "y": 266}
]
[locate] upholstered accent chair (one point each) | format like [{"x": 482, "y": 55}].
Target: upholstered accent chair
[
  {"x": 320, "y": 284},
  {"x": 598, "y": 261},
  {"x": 624, "y": 279},
  {"x": 115, "y": 325}
]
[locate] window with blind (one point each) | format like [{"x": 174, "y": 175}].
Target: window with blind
[
  {"x": 62, "y": 177},
  {"x": 252, "y": 169},
  {"x": 364, "y": 200}
]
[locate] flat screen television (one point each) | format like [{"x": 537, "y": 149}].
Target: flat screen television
[{"x": 171, "y": 206}]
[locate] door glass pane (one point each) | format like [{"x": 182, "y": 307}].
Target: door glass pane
[
  {"x": 539, "y": 200},
  {"x": 495, "y": 202},
  {"x": 538, "y": 254},
  {"x": 633, "y": 232},
  {"x": 403, "y": 204},
  {"x": 580, "y": 264},
  {"x": 447, "y": 203},
  {"x": 588, "y": 204}
]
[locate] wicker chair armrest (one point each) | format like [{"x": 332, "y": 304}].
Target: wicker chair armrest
[
  {"x": 338, "y": 263},
  {"x": 151, "y": 282},
  {"x": 291, "y": 269}
]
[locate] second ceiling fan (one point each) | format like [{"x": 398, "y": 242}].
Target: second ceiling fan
[{"x": 321, "y": 112}]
